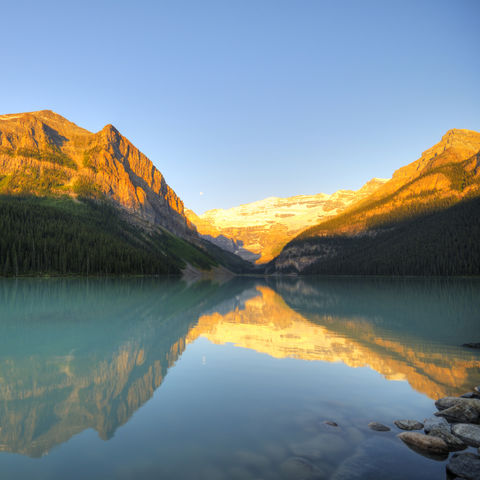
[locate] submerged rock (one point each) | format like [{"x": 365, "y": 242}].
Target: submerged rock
[
  {"x": 299, "y": 468},
  {"x": 332, "y": 424},
  {"x": 425, "y": 444},
  {"x": 379, "y": 427},
  {"x": 464, "y": 465},
  {"x": 469, "y": 433},
  {"x": 437, "y": 423},
  {"x": 408, "y": 424},
  {"x": 454, "y": 443}
]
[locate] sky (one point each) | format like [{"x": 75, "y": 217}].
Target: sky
[{"x": 238, "y": 100}]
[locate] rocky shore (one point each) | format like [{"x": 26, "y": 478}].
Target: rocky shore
[{"x": 453, "y": 428}]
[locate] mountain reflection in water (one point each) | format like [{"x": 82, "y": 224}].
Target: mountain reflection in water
[{"x": 78, "y": 354}]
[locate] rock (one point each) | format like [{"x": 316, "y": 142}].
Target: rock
[
  {"x": 424, "y": 443},
  {"x": 447, "y": 402},
  {"x": 464, "y": 465},
  {"x": 379, "y": 427},
  {"x": 471, "y": 345},
  {"x": 299, "y": 468},
  {"x": 332, "y": 424},
  {"x": 408, "y": 424},
  {"x": 461, "y": 412},
  {"x": 454, "y": 444},
  {"x": 469, "y": 433},
  {"x": 437, "y": 423},
  {"x": 470, "y": 395},
  {"x": 477, "y": 389}
]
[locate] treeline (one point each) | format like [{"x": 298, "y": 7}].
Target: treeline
[
  {"x": 441, "y": 242},
  {"x": 60, "y": 236}
]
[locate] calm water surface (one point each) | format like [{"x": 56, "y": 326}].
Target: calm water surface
[{"x": 148, "y": 378}]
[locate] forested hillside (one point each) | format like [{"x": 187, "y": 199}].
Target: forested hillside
[
  {"x": 440, "y": 242},
  {"x": 42, "y": 235}
]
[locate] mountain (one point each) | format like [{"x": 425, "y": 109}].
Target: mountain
[
  {"x": 424, "y": 221},
  {"x": 258, "y": 231},
  {"x": 72, "y": 201},
  {"x": 44, "y": 153}
]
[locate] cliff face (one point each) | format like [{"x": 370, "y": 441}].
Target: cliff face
[
  {"x": 441, "y": 178},
  {"x": 262, "y": 228},
  {"x": 43, "y": 153}
]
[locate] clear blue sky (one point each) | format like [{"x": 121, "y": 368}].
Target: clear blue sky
[{"x": 247, "y": 99}]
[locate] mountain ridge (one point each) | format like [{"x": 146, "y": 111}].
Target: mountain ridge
[
  {"x": 427, "y": 199},
  {"x": 105, "y": 162},
  {"x": 261, "y": 228}
]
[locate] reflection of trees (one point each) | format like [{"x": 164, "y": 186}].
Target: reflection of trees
[{"x": 78, "y": 354}]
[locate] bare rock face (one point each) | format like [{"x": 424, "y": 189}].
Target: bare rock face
[
  {"x": 265, "y": 226},
  {"x": 43, "y": 153}
]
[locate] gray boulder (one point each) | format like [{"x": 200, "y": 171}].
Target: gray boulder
[
  {"x": 448, "y": 402},
  {"x": 464, "y": 465},
  {"x": 462, "y": 412},
  {"x": 469, "y": 433},
  {"x": 437, "y": 423},
  {"x": 454, "y": 443}
]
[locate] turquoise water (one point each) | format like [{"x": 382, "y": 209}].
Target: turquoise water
[{"x": 148, "y": 378}]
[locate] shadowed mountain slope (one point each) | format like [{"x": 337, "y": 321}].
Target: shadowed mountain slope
[{"x": 423, "y": 221}]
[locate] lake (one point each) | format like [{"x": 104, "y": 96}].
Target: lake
[{"x": 161, "y": 378}]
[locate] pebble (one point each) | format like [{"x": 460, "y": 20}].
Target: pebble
[
  {"x": 332, "y": 424},
  {"x": 379, "y": 427}
]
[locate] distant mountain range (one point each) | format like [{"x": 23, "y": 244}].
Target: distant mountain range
[
  {"x": 72, "y": 201},
  {"x": 263, "y": 228}
]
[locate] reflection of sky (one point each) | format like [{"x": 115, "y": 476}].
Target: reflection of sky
[
  {"x": 191, "y": 381},
  {"x": 239, "y": 401}
]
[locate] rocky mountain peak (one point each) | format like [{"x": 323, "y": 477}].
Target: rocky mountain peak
[{"x": 44, "y": 153}]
